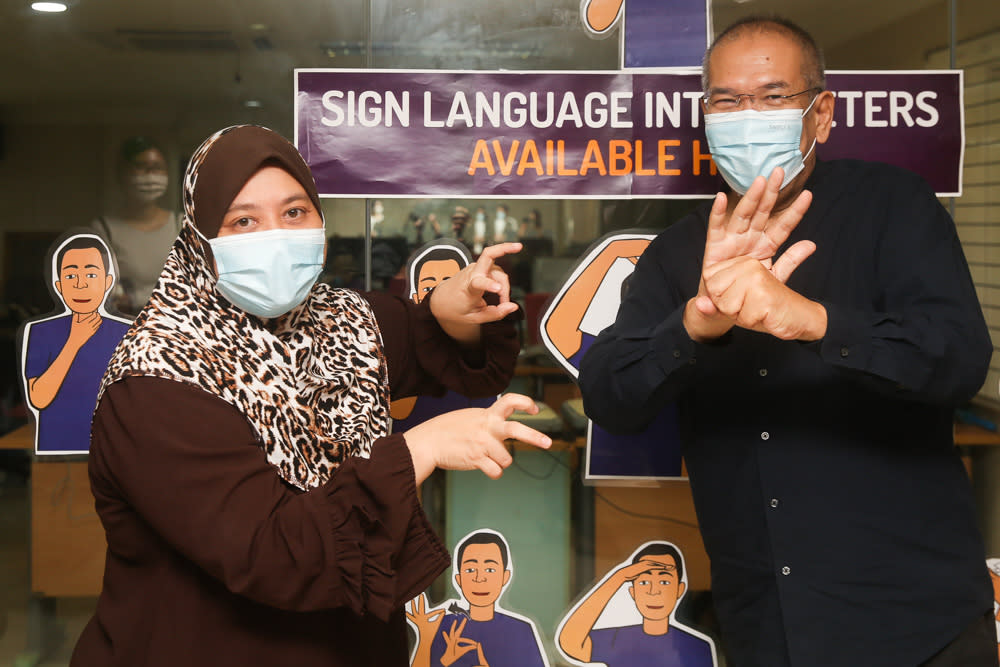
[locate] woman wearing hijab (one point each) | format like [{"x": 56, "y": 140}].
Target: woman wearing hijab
[{"x": 257, "y": 511}]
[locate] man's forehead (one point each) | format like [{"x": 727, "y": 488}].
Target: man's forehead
[
  {"x": 765, "y": 56},
  {"x": 480, "y": 552},
  {"x": 82, "y": 257}
]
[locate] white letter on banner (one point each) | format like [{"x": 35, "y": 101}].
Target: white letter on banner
[
  {"x": 569, "y": 111},
  {"x": 550, "y": 104},
  {"x": 514, "y": 116},
  {"x": 900, "y": 103},
  {"x": 394, "y": 108},
  {"x": 428, "y": 121},
  {"x": 618, "y": 109},
  {"x": 669, "y": 109},
  {"x": 849, "y": 96},
  {"x": 932, "y": 113},
  {"x": 871, "y": 108},
  {"x": 369, "y": 115},
  {"x": 334, "y": 108},
  {"x": 695, "y": 97},
  {"x": 460, "y": 111},
  {"x": 489, "y": 109},
  {"x": 596, "y": 117}
]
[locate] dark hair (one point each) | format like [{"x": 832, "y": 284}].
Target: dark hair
[
  {"x": 813, "y": 65},
  {"x": 83, "y": 243},
  {"x": 484, "y": 537},
  {"x": 662, "y": 549},
  {"x": 438, "y": 254},
  {"x": 133, "y": 146}
]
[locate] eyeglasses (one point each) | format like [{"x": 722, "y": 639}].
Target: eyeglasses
[{"x": 758, "y": 100}]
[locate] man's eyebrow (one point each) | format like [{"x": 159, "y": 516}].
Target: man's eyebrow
[
  {"x": 92, "y": 266},
  {"x": 70, "y": 266},
  {"x": 773, "y": 85},
  {"x": 423, "y": 280}
]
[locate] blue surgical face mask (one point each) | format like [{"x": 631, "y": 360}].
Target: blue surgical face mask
[
  {"x": 268, "y": 273},
  {"x": 749, "y": 143}
]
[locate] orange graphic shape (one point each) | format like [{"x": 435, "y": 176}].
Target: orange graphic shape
[{"x": 602, "y": 14}]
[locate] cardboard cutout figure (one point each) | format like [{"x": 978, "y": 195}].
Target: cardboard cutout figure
[
  {"x": 585, "y": 305},
  {"x": 64, "y": 354},
  {"x": 428, "y": 266},
  {"x": 994, "y": 566},
  {"x": 628, "y": 618},
  {"x": 476, "y": 631}
]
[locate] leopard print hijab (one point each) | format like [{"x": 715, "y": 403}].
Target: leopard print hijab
[{"x": 312, "y": 383}]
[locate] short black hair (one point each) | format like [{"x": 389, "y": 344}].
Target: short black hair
[
  {"x": 813, "y": 65},
  {"x": 484, "y": 537},
  {"x": 83, "y": 243},
  {"x": 662, "y": 549},
  {"x": 438, "y": 254},
  {"x": 132, "y": 147}
]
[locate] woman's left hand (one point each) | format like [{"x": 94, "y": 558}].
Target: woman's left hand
[{"x": 458, "y": 303}]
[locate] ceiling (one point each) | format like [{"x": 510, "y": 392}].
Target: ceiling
[{"x": 108, "y": 58}]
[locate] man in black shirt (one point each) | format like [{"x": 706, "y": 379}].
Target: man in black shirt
[{"x": 816, "y": 331}]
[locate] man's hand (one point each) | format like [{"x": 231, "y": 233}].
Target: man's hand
[
  {"x": 82, "y": 328},
  {"x": 745, "y": 292},
  {"x": 752, "y": 231},
  {"x": 458, "y": 304},
  {"x": 455, "y": 645}
]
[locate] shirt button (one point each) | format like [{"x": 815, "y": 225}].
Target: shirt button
[
  {"x": 677, "y": 354},
  {"x": 774, "y": 502},
  {"x": 763, "y": 372},
  {"x": 844, "y": 352},
  {"x": 765, "y": 435},
  {"x": 786, "y": 570},
  {"x": 692, "y": 361}
]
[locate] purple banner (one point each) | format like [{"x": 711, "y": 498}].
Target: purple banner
[
  {"x": 376, "y": 133},
  {"x": 665, "y": 33}
]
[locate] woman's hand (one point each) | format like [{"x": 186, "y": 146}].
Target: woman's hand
[
  {"x": 472, "y": 438},
  {"x": 458, "y": 303}
]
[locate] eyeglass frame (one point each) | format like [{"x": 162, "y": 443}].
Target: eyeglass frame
[{"x": 706, "y": 99}]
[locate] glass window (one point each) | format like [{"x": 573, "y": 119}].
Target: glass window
[{"x": 103, "y": 93}]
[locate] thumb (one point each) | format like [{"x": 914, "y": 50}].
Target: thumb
[{"x": 791, "y": 259}]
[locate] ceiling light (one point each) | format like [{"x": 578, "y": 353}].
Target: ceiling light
[
  {"x": 49, "y": 7},
  {"x": 253, "y": 104}
]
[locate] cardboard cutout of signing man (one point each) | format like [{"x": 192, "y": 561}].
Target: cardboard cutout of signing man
[
  {"x": 476, "y": 632},
  {"x": 628, "y": 618},
  {"x": 64, "y": 355},
  {"x": 994, "y": 566},
  {"x": 586, "y": 304},
  {"x": 429, "y": 266}
]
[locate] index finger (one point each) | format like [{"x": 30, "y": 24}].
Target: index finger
[
  {"x": 493, "y": 252},
  {"x": 782, "y": 225},
  {"x": 508, "y": 403}
]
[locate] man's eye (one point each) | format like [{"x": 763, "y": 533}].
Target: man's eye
[
  {"x": 70, "y": 276},
  {"x": 724, "y": 102},
  {"x": 491, "y": 570},
  {"x": 91, "y": 275},
  {"x": 296, "y": 212}
]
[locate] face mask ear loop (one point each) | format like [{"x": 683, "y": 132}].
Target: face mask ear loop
[{"x": 809, "y": 152}]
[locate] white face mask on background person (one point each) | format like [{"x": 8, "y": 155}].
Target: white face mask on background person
[
  {"x": 750, "y": 143},
  {"x": 149, "y": 187},
  {"x": 271, "y": 272}
]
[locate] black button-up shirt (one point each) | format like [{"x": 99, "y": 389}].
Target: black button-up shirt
[{"x": 835, "y": 510}]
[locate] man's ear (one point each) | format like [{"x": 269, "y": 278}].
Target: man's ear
[
  {"x": 631, "y": 591},
  {"x": 109, "y": 280},
  {"x": 58, "y": 285},
  {"x": 506, "y": 577},
  {"x": 680, "y": 589},
  {"x": 415, "y": 297},
  {"x": 823, "y": 115}
]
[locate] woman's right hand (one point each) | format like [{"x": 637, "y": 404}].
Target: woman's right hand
[{"x": 472, "y": 438}]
